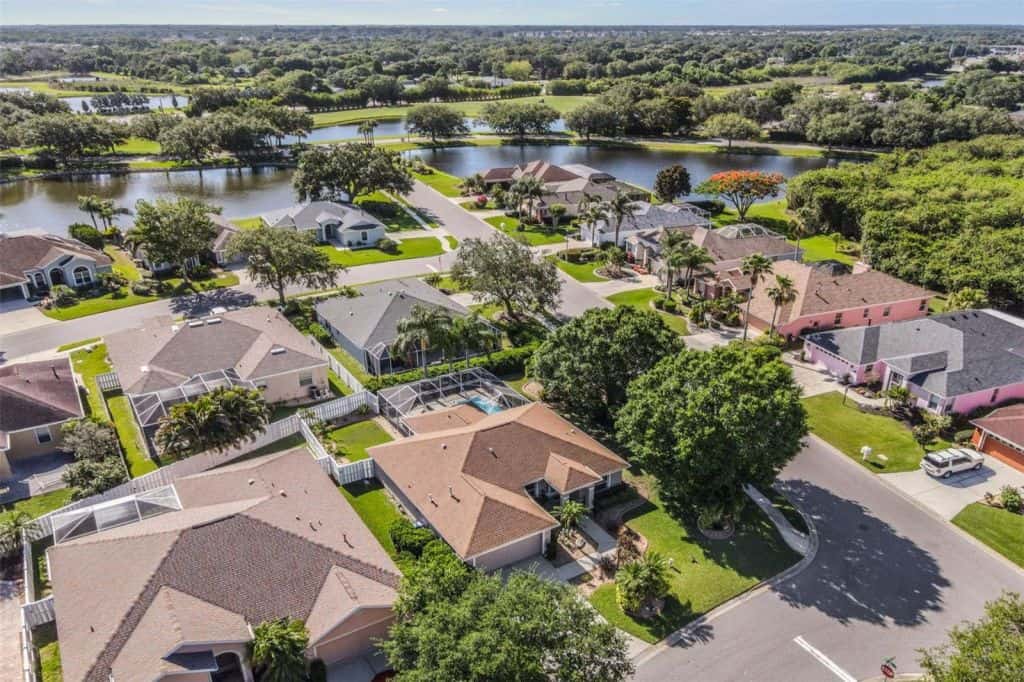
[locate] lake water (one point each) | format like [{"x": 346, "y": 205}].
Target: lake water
[
  {"x": 155, "y": 102},
  {"x": 52, "y": 205},
  {"x": 393, "y": 128}
]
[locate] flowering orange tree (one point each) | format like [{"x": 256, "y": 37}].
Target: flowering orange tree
[{"x": 742, "y": 188}]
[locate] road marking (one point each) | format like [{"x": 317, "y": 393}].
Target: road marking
[{"x": 824, "y": 660}]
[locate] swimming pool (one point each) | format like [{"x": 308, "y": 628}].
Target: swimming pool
[{"x": 484, "y": 405}]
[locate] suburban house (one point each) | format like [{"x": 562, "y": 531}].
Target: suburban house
[
  {"x": 218, "y": 247},
  {"x": 727, "y": 246},
  {"x": 164, "y": 362},
  {"x": 825, "y": 301},
  {"x": 187, "y": 571},
  {"x": 30, "y": 264},
  {"x": 36, "y": 399},
  {"x": 328, "y": 221},
  {"x": 484, "y": 482},
  {"x": 366, "y": 325},
  {"x": 954, "y": 362},
  {"x": 646, "y": 218},
  {"x": 568, "y": 185},
  {"x": 1001, "y": 434}
]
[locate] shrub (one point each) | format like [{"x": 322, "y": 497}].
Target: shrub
[
  {"x": 387, "y": 245},
  {"x": 201, "y": 271},
  {"x": 964, "y": 436},
  {"x": 409, "y": 539},
  {"x": 1011, "y": 499},
  {"x": 112, "y": 281},
  {"x": 508, "y": 361},
  {"x": 87, "y": 234},
  {"x": 63, "y": 296},
  {"x": 144, "y": 287},
  {"x": 317, "y": 331},
  {"x": 659, "y": 303},
  {"x": 669, "y": 305},
  {"x": 480, "y": 201},
  {"x": 317, "y": 670}
]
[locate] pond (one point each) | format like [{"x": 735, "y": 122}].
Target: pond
[
  {"x": 52, "y": 205},
  {"x": 155, "y": 102},
  {"x": 392, "y": 128}
]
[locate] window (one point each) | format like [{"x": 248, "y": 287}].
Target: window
[
  {"x": 923, "y": 305},
  {"x": 933, "y": 401},
  {"x": 305, "y": 378},
  {"x": 40, "y": 281},
  {"x": 43, "y": 435},
  {"x": 838, "y": 320},
  {"x": 82, "y": 276},
  {"x": 995, "y": 396},
  {"x": 885, "y": 313},
  {"x": 867, "y": 311}
]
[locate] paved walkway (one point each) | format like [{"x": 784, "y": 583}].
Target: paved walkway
[
  {"x": 10, "y": 630},
  {"x": 797, "y": 541}
]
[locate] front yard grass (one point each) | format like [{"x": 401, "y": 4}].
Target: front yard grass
[
  {"x": 88, "y": 362},
  {"x": 849, "y": 429},
  {"x": 705, "y": 573},
  {"x": 389, "y": 212},
  {"x": 418, "y": 247},
  {"x": 371, "y": 502},
  {"x": 1001, "y": 530},
  {"x": 77, "y": 344},
  {"x": 354, "y": 439},
  {"x": 581, "y": 272},
  {"x": 448, "y": 185},
  {"x": 641, "y": 300},
  {"x": 535, "y": 235}
]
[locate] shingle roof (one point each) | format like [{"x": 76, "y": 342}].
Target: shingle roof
[
  {"x": 22, "y": 252},
  {"x": 470, "y": 482},
  {"x": 818, "y": 292},
  {"x": 308, "y": 216},
  {"x": 37, "y": 393},
  {"x": 372, "y": 317},
  {"x": 984, "y": 349},
  {"x": 1007, "y": 423},
  {"x": 648, "y": 219},
  {"x": 261, "y": 539},
  {"x": 163, "y": 354}
]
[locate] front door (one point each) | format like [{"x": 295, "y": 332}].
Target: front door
[{"x": 56, "y": 277}]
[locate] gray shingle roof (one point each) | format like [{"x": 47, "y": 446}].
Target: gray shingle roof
[
  {"x": 309, "y": 216},
  {"x": 948, "y": 355},
  {"x": 37, "y": 393},
  {"x": 372, "y": 317},
  {"x": 21, "y": 252}
]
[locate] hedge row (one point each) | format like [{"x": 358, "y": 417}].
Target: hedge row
[{"x": 506, "y": 361}]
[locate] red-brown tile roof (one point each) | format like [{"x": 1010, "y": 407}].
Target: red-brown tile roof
[{"x": 1006, "y": 423}]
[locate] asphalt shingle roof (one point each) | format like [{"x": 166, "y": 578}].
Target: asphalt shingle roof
[
  {"x": 37, "y": 393},
  {"x": 22, "y": 252}
]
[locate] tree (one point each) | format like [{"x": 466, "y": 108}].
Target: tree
[
  {"x": 366, "y": 128},
  {"x": 614, "y": 258},
  {"x": 517, "y": 70},
  {"x": 89, "y": 439},
  {"x": 188, "y": 142},
  {"x": 278, "y": 649},
  {"x": 569, "y": 514},
  {"x": 755, "y": 266},
  {"x": 277, "y": 259},
  {"x": 471, "y": 332},
  {"x": 671, "y": 183},
  {"x": 91, "y": 204},
  {"x": 594, "y": 118},
  {"x": 87, "y": 234},
  {"x": 835, "y": 129},
  {"x": 176, "y": 232},
  {"x": 742, "y": 188},
  {"x": 706, "y": 423},
  {"x": 586, "y": 364},
  {"x": 557, "y": 212},
  {"x": 782, "y": 293},
  {"x": 620, "y": 209},
  {"x": 640, "y": 582},
  {"x": 674, "y": 247},
  {"x": 990, "y": 649},
  {"x": 694, "y": 258},
  {"x": 352, "y": 169},
  {"x": 12, "y": 524},
  {"x": 436, "y": 120},
  {"x": 88, "y": 477},
  {"x": 527, "y": 189},
  {"x": 214, "y": 421},
  {"x": 731, "y": 127},
  {"x": 506, "y": 272},
  {"x": 458, "y": 624},
  {"x": 967, "y": 298},
  {"x": 520, "y": 120},
  {"x": 425, "y": 328}
]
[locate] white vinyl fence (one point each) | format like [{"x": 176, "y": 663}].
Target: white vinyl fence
[{"x": 346, "y": 376}]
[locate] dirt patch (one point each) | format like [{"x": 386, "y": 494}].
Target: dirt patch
[{"x": 532, "y": 389}]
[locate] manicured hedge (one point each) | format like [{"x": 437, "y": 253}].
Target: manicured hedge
[{"x": 506, "y": 361}]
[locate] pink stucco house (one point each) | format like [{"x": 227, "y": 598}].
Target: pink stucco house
[
  {"x": 954, "y": 362},
  {"x": 829, "y": 301}
]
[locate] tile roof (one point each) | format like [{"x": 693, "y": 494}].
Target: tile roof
[
  {"x": 162, "y": 353},
  {"x": 372, "y": 317},
  {"x": 21, "y": 252},
  {"x": 1006, "y": 423},
  {"x": 819, "y": 292},
  {"x": 470, "y": 481},
  {"x": 310, "y": 215},
  {"x": 37, "y": 393},
  {"x": 257, "y": 540},
  {"x": 983, "y": 349}
]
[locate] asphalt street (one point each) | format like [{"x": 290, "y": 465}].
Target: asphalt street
[{"x": 888, "y": 579}]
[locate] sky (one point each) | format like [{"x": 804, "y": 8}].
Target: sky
[{"x": 447, "y": 12}]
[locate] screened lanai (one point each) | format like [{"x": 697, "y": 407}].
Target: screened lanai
[
  {"x": 150, "y": 408},
  {"x": 106, "y": 515}
]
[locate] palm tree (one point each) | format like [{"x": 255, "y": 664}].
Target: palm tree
[
  {"x": 755, "y": 266},
  {"x": 673, "y": 249},
  {"x": 696, "y": 257},
  {"x": 528, "y": 188},
  {"x": 557, "y": 212},
  {"x": 594, "y": 213},
  {"x": 799, "y": 230},
  {"x": 642, "y": 581},
  {"x": 108, "y": 212},
  {"x": 366, "y": 129},
  {"x": 621, "y": 208},
  {"x": 470, "y": 332},
  {"x": 425, "y": 328},
  {"x": 241, "y": 414},
  {"x": 215, "y": 421},
  {"x": 782, "y": 293},
  {"x": 278, "y": 649},
  {"x": 11, "y": 527},
  {"x": 91, "y": 204},
  {"x": 615, "y": 258},
  {"x": 569, "y": 514}
]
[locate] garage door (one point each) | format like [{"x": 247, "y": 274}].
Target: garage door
[
  {"x": 510, "y": 554},
  {"x": 1004, "y": 453},
  {"x": 9, "y": 294}
]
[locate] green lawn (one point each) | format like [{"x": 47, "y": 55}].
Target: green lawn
[
  {"x": 124, "y": 298},
  {"x": 821, "y": 247},
  {"x": 38, "y": 505},
  {"x": 705, "y": 573},
  {"x": 453, "y": 243},
  {"x": 849, "y": 429},
  {"x": 389, "y": 212},
  {"x": 1001, "y": 530},
  {"x": 250, "y": 223},
  {"x": 562, "y": 103},
  {"x": 89, "y": 363},
  {"x": 581, "y": 272},
  {"x": 371, "y": 502},
  {"x": 772, "y": 214},
  {"x": 418, "y": 247},
  {"x": 137, "y": 145},
  {"x": 41, "y": 586},
  {"x": 77, "y": 344},
  {"x": 444, "y": 183},
  {"x": 351, "y": 364},
  {"x": 123, "y": 263},
  {"x": 535, "y": 235},
  {"x": 641, "y": 300},
  {"x": 49, "y": 666},
  {"x": 354, "y": 439}
]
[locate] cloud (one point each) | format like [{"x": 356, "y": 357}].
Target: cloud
[{"x": 440, "y": 10}]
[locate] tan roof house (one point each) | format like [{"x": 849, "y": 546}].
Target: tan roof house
[
  {"x": 32, "y": 263},
  {"x": 174, "y": 592},
  {"x": 481, "y": 481},
  {"x": 36, "y": 398}
]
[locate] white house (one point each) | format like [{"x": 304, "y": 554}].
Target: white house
[
  {"x": 329, "y": 222},
  {"x": 30, "y": 264}
]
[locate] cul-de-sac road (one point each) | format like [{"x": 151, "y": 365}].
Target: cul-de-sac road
[{"x": 888, "y": 579}]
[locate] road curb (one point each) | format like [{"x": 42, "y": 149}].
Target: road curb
[{"x": 754, "y": 591}]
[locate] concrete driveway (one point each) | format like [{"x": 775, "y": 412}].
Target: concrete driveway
[{"x": 947, "y": 496}]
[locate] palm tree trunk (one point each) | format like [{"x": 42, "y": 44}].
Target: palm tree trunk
[
  {"x": 771, "y": 327},
  {"x": 746, "y": 317}
]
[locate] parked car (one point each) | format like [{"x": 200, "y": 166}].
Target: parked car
[{"x": 945, "y": 463}]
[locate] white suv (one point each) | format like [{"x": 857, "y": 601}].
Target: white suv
[{"x": 945, "y": 463}]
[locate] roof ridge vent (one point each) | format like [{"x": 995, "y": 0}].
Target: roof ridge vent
[
  {"x": 214, "y": 320},
  {"x": 195, "y": 323},
  {"x": 278, "y": 350}
]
